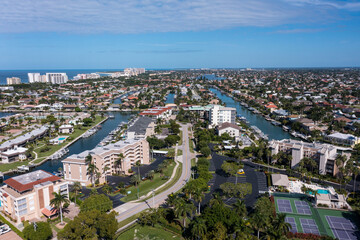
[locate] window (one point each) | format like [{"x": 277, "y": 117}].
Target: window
[{"x": 23, "y": 212}]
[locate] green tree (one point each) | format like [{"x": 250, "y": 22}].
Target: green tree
[
  {"x": 76, "y": 188},
  {"x": 42, "y": 231},
  {"x": 182, "y": 208},
  {"x": 58, "y": 201},
  {"x": 98, "y": 201},
  {"x": 205, "y": 151},
  {"x": 90, "y": 225},
  {"x": 118, "y": 162},
  {"x": 240, "y": 208},
  {"x": 198, "y": 228}
]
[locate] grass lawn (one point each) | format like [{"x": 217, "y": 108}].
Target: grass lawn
[
  {"x": 179, "y": 152},
  {"x": 193, "y": 162},
  {"x": 148, "y": 232},
  {"x": 148, "y": 185},
  {"x": 191, "y": 145},
  {"x": 53, "y": 148},
  {"x": 52, "y": 224}
]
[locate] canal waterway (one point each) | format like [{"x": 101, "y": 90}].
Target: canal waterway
[
  {"x": 170, "y": 98},
  {"x": 273, "y": 132},
  {"x": 84, "y": 144},
  {"x": 5, "y": 114}
]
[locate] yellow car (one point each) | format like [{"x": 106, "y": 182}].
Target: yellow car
[{"x": 241, "y": 171}]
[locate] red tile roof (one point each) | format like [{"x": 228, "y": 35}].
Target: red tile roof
[
  {"x": 48, "y": 212},
  {"x": 23, "y": 187}
]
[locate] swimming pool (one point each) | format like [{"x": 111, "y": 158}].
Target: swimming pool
[
  {"x": 61, "y": 139},
  {"x": 323, "y": 191}
]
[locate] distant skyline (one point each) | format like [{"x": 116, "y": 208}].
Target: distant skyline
[{"x": 167, "y": 34}]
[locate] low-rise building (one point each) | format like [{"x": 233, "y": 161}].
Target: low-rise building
[
  {"x": 66, "y": 129},
  {"x": 323, "y": 154},
  {"x": 158, "y": 112},
  {"x": 28, "y": 196},
  {"x": 12, "y": 155},
  {"x": 342, "y": 139},
  {"x": 232, "y": 129}
]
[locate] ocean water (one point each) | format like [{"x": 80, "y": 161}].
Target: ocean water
[{"x": 23, "y": 74}]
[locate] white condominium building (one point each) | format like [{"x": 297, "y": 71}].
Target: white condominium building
[
  {"x": 13, "y": 80},
  {"x": 34, "y": 77},
  {"x": 219, "y": 114},
  {"x": 56, "y": 78}
]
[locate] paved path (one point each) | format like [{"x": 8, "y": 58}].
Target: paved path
[{"x": 129, "y": 209}]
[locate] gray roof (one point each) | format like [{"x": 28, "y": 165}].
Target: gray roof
[
  {"x": 32, "y": 177},
  {"x": 280, "y": 180},
  {"x": 140, "y": 125},
  {"x": 24, "y": 138}
]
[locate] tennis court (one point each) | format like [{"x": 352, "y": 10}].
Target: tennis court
[
  {"x": 342, "y": 228},
  {"x": 302, "y": 207},
  {"x": 309, "y": 226},
  {"x": 284, "y": 206},
  {"x": 304, "y": 218},
  {"x": 292, "y": 222}
]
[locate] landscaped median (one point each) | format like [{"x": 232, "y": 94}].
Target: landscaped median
[{"x": 148, "y": 185}]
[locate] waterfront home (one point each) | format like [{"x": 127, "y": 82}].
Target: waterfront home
[
  {"x": 28, "y": 196},
  {"x": 12, "y": 155},
  {"x": 66, "y": 129},
  {"x": 158, "y": 112},
  {"x": 219, "y": 114},
  {"x": 24, "y": 139}
]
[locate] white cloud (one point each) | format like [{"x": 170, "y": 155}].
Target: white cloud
[{"x": 139, "y": 16}]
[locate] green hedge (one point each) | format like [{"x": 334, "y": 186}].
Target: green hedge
[{"x": 17, "y": 231}]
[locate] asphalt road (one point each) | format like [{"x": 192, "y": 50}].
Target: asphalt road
[{"x": 129, "y": 209}]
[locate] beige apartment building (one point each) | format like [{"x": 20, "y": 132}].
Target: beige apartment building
[
  {"x": 133, "y": 150},
  {"x": 27, "y": 197},
  {"x": 323, "y": 154}
]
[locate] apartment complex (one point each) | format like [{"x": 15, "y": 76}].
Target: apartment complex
[
  {"x": 13, "y": 80},
  {"x": 158, "y": 112},
  {"x": 28, "y": 196},
  {"x": 53, "y": 78},
  {"x": 56, "y": 78},
  {"x": 323, "y": 154},
  {"x": 219, "y": 114},
  {"x": 135, "y": 148},
  {"x": 36, "y": 77}
]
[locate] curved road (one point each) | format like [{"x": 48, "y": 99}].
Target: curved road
[{"x": 129, "y": 209}]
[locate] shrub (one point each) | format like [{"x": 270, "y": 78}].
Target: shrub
[{"x": 43, "y": 231}]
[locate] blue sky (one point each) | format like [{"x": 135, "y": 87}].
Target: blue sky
[{"x": 109, "y": 34}]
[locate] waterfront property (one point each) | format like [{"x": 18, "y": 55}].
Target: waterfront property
[
  {"x": 324, "y": 154},
  {"x": 28, "y": 196},
  {"x": 219, "y": 114},
  {"x": 12, "y": 155},
  {"x": 105, "y": 158},
  {"x": 21, "y": 141},
  {"x": 232, "y": 129},
  {"x": 66, "y": 129},
  {"x": 158, "y": 112}
]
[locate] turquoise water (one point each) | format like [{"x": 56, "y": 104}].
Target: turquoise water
[
  {"x": 323, "y": 191},
  {"x": 320, "y": 191},
  {"x": 62, "y": 138}
]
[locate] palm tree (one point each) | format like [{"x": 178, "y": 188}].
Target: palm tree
[
  {"x": 92, "y": 170},
  {"x": 58, "y": 201},
  {"x": 198, "y": 228},
  {"x": 198, "y": 196},
  {"x": 240, "y": 208},
  {"x": 258, "y": 223},
  {"x": 356, "y": 172},
  {"x": 280, "y": 227},
  {"x": 182, "y": 209},
  {"x": 118, "y": 162},
  {"x": 76, "y": 187},
  {"x": 106, "y": 168}
]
